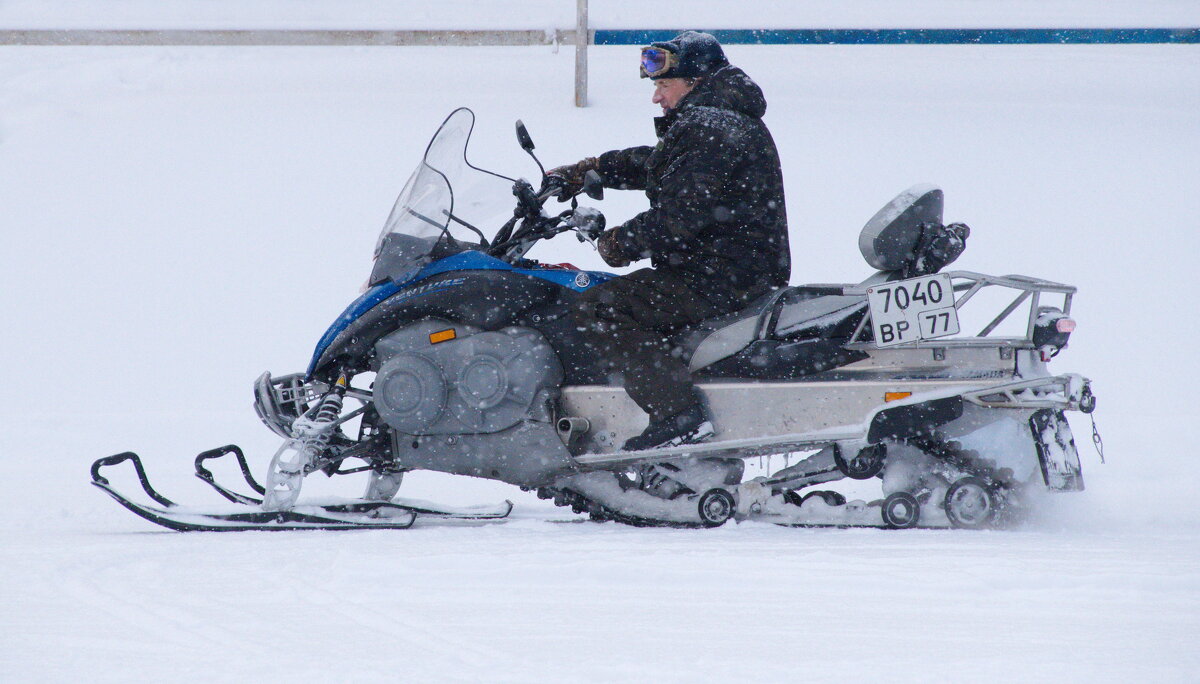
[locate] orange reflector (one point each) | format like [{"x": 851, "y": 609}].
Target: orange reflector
[
  {"x": 441, "y": 336},
  {"x": 893, "y": 396}
]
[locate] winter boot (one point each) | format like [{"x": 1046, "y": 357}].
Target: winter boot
[{"x": 689, "y": 426}]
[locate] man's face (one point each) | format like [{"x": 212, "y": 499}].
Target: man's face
[{"x": 669, "y": 91}]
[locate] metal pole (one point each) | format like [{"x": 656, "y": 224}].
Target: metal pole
[{"x": 581, "y": 43}]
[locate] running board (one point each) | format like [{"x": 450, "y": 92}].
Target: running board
[{"x": 736, "y": 448}]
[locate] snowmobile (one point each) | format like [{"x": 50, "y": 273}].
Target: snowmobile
[{"x": 461, "y": 356}]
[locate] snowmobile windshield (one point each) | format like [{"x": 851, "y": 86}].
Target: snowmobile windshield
[{"x": 445, "y": 207}]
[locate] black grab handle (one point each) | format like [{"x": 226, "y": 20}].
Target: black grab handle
[
  {"x": 99, "y": 479},
  {"x": 204, "y": 473}
]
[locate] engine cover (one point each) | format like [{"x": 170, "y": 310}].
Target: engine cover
[{"x": 476, "y": 382}]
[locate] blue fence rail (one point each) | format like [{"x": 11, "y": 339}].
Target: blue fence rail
[
  {"x": 1009, "y": 36},
  {"x": 1035, "y": 36}
]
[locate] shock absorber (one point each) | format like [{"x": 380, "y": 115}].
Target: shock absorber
[
  {"x": 315, "y": 431},
  {"x": 311, "y": 433}
]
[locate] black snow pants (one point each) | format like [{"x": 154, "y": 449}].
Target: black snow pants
[{"x": 626, "y": 323}]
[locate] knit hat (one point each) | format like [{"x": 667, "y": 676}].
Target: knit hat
[{"x": 696, "y": 54}]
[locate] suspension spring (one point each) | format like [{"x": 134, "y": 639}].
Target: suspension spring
[
  {"x": 314, "y": 432},
  {"x": 331, "y": 407}
]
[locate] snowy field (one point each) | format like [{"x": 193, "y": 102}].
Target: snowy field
[{"x": 175, "y": 221}]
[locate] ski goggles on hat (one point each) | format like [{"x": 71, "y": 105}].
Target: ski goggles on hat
[{"x": 657, "y": 61}]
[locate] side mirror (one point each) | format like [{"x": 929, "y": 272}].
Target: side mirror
[
  {"x": 593, "y": 186},
  {"x": 523, "y": 138}
]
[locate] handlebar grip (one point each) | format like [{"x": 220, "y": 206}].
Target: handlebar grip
[
  {"x": 112, "y": 461},
  {"x": 555, "y": 186},
  {"x": 206, "y": 475},
  {"x": 99, "y": 479}
]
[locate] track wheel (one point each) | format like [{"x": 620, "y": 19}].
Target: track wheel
[
  {"x": 970, "y": 504},
  {"x": 716, "y": 506},
  {"x": 865, "y": 465},
  {"x": 830, "y": 497},
  {"x": 901, "y": 511}
]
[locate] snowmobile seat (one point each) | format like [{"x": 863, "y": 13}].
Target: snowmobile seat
[
  {"x": 724, "y": 336},
  {"x": 789, "y": 313}
]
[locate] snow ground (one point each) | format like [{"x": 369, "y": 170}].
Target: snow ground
[{"x": 174, "y": 221}]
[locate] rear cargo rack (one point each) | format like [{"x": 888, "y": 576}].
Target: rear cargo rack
[{"x": 970, "y": 283}]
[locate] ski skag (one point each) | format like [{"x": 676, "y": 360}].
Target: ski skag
[{"x": 245, "y": 516}]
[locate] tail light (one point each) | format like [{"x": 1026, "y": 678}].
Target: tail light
[{"x": 1051, "y": 331}]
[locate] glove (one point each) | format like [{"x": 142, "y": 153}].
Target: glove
[
  {"x": 569, "y": 179},
  {"x": 610, "y": 250}
]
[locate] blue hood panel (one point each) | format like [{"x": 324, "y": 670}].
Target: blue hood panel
[{"x": 464, "y": 261}]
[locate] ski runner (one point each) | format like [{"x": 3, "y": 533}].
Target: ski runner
[{"x": 715, "y": 232}]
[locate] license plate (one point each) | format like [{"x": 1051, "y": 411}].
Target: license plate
[{"x": 910, "y": 310}]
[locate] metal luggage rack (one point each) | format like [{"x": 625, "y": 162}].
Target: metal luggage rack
[{"x": 971, "y": 283}]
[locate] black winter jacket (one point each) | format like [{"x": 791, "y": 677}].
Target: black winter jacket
[{"x": 717, "y": 215}]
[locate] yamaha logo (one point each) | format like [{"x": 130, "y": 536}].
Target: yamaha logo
[{"x": 582, "y": 279}]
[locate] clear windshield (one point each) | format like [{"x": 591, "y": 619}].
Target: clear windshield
[{"x": 443, "y": 197}]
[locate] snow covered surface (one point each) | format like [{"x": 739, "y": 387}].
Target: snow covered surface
[
  {"x": 175, "y": 221},
  {"x": 604, "y": 14}
]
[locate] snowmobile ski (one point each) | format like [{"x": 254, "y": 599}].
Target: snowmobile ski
[
  {"x": 245, "y": 516},
  {"x": 424, "y": 508},
  {"x": 373, "y": 515}
]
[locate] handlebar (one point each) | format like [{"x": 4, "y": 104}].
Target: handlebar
[
  {"x": 588, "y": 224},
  {"x": 535, "y": 225}
]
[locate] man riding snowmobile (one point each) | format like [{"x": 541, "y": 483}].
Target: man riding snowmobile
[
  {"x": 463, "y": 356},
  {"x": 715, "y": 233}
]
